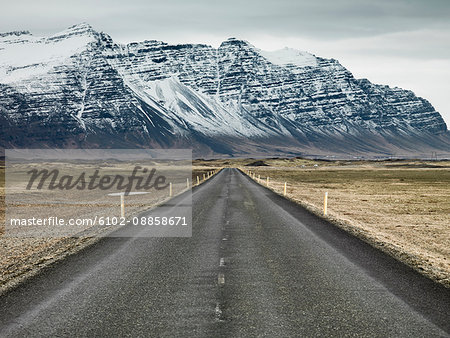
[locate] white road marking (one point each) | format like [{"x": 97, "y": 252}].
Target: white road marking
[
  {"x": 222, "y": 262},
  {"x": 218, "y": 312},
  {"x": 221, "y": 279}
]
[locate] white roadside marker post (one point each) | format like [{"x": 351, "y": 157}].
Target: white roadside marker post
[
  {"x": 325, "y": 203},
  {"x": 204, "y": 177},
  {"x": 170, "y": 189},
  {"x": 122, "y": 199},
  {"x": 267, "y": 181},
  {"x": 259, "y": 178},
  {"x": 122, "y": 205},
  {"x": 284, "y": 191},
  {"x": 198, "y": 181}
]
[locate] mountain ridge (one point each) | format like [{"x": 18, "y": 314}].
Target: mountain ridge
[{"x": 78, "y": 88}]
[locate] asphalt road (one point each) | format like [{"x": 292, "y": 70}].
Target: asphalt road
[{"x": 256, "y": 265}]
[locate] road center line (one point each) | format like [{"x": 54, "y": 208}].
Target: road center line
[
  {"x": 218, "y": 312},
  {"x": 221, "y": 279}
]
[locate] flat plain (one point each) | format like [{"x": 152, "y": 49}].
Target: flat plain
[
  {"x": 22, "y": 257},
  {"x": 400, "y": 207}
]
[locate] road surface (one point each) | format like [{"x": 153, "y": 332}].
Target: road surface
[{"x": 256, "y": 265}]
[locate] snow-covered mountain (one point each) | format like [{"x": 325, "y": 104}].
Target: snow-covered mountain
[{"x": 80, "y": 89}]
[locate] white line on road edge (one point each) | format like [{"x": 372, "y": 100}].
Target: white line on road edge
[{"x": 222, "y": 262}]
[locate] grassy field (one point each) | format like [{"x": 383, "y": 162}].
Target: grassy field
[
  {"x": 400, "y": 207},
  {"x": 23, "y": 257}
]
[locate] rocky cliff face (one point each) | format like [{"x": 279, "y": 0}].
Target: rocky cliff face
[{"x": 80, "y": 89}]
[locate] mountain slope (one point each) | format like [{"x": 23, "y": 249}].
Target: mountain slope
[{"x": 80, "y": 89}]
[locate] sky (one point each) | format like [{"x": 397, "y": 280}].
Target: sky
[{"x": 404, "y": 43}]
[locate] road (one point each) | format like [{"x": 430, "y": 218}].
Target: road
[{"x": 256, "y": 265}]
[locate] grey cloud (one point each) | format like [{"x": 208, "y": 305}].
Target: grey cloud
[
  {"x": 413, "y": 30},
  {"x": 328, "y": 19}
]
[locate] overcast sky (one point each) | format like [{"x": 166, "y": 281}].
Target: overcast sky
[{"x": 403, "y": 43}]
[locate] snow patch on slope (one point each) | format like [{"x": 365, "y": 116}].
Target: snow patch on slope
[
  {"x": 292, "y": 56},
  {"x": 25, "y": 56},
  {"x": 199, "y": 111}
]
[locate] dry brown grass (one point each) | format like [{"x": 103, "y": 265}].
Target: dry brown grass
[
  {"x": 402, "y": 207},
  {"x": 23, "y": 257}
]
